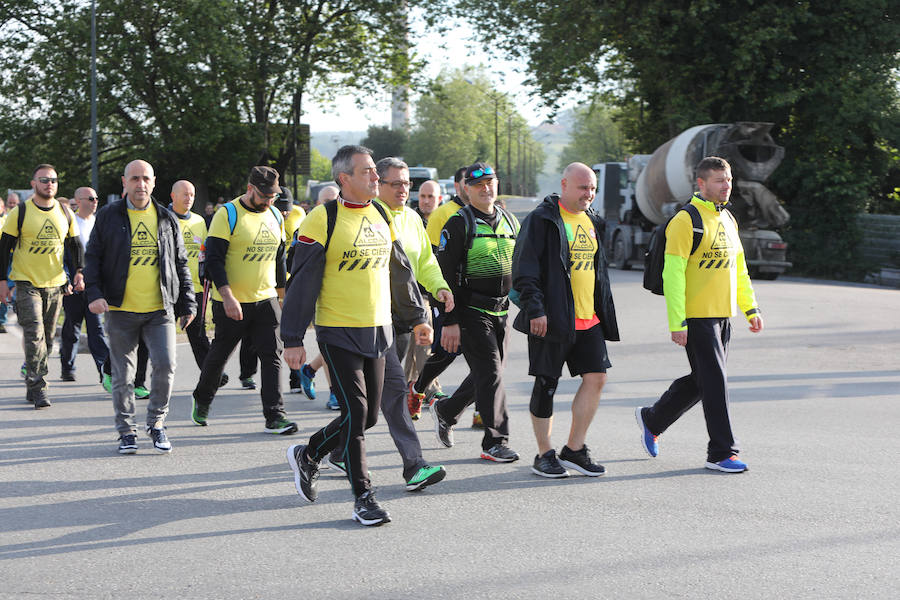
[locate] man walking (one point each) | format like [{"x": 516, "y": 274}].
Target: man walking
[
  {"x": 38, "y": 235},
  {"x": 75, "y": 305},
  {"x": 701, "y": 289},
  {"x": 245, "y": 260},
  {"x": 559, "y": 270},
  {"x": 136, "y": 271},
  {"x": 353, "y": 273}
]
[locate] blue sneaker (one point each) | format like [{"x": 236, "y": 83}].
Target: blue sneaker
[
  {"x": 333, "y": 403},
  {"x": 729, "y": 465},
  {"x": 648, "y": 440},
  {"x": 307, "y": 382}
]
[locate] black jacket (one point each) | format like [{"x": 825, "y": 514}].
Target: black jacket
[
  {"x": 108, "y": 256},
  {"x": 542, "y": 277}
]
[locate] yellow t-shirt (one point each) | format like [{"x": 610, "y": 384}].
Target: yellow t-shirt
[
  {"x": 143, "y": 293},
  {"x": 38, "y": 256},
  {"x": 252, "y": 249},
  {"x": 291, "y": 224},
  {"x": 356, "y": 290},
  {"x": 438, "y": 219},
  {"x": 193, "y": 230},
  {"x": 582, "y": 250}
]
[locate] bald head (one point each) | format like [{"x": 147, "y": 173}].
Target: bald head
[
  {"x": 182, "y": 196},
  {"x": 429, "y": 197},
  {"x": 578, "y": 187},
  {"x": 87, "y": 201},
  {"x": 138, "y": 182},
  {"x": 329, "y": 192}
]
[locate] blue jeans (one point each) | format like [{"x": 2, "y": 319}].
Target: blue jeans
[{"x": 76, "y": 311}]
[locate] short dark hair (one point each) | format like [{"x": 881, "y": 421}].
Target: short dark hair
[
  {"x": 711, "y": 163},
  {"x": 42, "y": 166},
  {"x": 458, "y": 176},
  {"x": 388, "y": 162},
  {"x": 343, "y": 160}
]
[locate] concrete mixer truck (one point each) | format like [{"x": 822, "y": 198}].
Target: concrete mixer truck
[{"x": 635, "y": 196}]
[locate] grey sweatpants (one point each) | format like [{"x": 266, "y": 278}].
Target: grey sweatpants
[{"x": 125, "y": 329}]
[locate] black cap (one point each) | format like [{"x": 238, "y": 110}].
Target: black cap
[
  {"x": 265, "y": 179},
  {"x": 479, "y": 171}
]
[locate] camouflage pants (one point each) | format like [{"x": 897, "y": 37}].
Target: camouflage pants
[{"x": 37, "y": 310}]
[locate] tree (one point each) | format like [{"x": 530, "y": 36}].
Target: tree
[
  {"x": 202, "y": 89},
  {"x": 463, "y": 118},
  {"x": 824, "y": 72},
  {"x": 595, "y": 138},
  {"x": 384, "y": 141}
]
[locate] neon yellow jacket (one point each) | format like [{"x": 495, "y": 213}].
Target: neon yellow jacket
[{"x": 417, "y": 246}]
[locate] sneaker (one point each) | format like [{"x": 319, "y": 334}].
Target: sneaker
[
  {"x": 580, "y": 461},
  {"x": 39, "y": 397},
  {"x": 294, "y": 384},
  {"x": 223, "y": 380},
  {"x": 248, "y": 383},
  {"x": 2, "y": 328},
  {"x": 281, "y": 426},
  {"x": 429, "y": 402},
  {"x": 128, "y": 443},
  {"x": 424, "y": 477},
  {"x": 332, "y": 403},
  {"x": 140, "y": 392},
  {"x": 67, "y": 376},
  {"x": 307, "y": 382},
  {"x": 199, "y": 412},
  {"x": 414, "y": 402},
  {"x": 729, "y": 465},
  {"x": 442, "y": 429},
  {"x": 24, "y": 371},
  {"x": 500, "y": 453},
  {"x": 367, "y": 511},
  {"x": 547, "y": 465},
  {"x": 160, "y": 439},
  {"x": 106, "y": 382},
  {"x": 649, "y": 441},
  {"x": 477, "y": 423},
  {"x": 306, "y": 472},
  {"x": 337, "y": 465}
]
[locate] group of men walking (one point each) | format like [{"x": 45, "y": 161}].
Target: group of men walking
[{"x": 376, "y": 285}]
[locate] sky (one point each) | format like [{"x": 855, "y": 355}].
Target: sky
[{"x": 346, "y": 116}]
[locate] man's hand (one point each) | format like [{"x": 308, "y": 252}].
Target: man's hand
[
  {"x": 98, "y": 306},
  {"x": 680, "y": 337},
  {"x": 230, "y": 303},
  {"x": 445, "y": 296},
  {"x": 5, "y": 294},
  {"x": 424, "y": 334},
  {"x": 539, "y": 326},
  {"x": 79, "y": 282},
  {"x": 756, "y": 324},
  {"x": 185, "y": 320},
  {"x": 450, "y": 338},
  {"x": 295, "y": 357}
]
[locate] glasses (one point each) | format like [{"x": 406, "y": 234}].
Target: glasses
[
  {"x": 397, "y": 184},
  {"x": 481, "y": 172},
  {"x": 48, "y": 179},
  {"x": 90, "y": 198},
  {"x": 266, "y": 197}
]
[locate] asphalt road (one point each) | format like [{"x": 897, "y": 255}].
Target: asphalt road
[{"x": 814, "y": 402}]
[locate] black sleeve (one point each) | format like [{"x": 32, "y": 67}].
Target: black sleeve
[
  {"x": 73, "y": 255},
  {"x": 280, "y": 268},
  {"x": 299, "y": 306},
  {"x": 7, "y": 245},
  {"x": 407, "y": 306},
  {"x": 216, "y": 249},
  {"x": 93, "y": 258},
  {"x": 526, "y": 266},
  {"x": 450, "y": 255}
]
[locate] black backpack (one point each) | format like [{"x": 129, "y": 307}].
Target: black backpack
[{"x": 655, "y": 258}]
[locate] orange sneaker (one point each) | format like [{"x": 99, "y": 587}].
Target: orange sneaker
[
  {"x": 477, "y": 423},
  {"x": 414, "y": 402}
]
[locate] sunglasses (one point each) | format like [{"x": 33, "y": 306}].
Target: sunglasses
[
  {"x": 48, "y": 179},
  {"x": 397, "y": 184},
  {"x": 481, "y": 172},
  {"x": 90, "y": 198}
]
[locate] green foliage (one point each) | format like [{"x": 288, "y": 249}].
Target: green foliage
[
  {"x": 462, "y": 118},
  {"x": 824, "y": 72},
  {"x": 384, "y": 141},
  {"x": 595, "y": 138},
  {"x": 320, "y": 166}
]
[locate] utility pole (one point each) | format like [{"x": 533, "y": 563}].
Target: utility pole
[{"x": 94, "y": 174}]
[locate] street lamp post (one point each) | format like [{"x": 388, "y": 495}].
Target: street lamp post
[{"x": 94, "y": 174}]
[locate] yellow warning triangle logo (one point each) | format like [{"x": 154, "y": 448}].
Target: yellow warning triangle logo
[
  {"x": 264, "y": 236},
  {"x": 368, "y": 235},
  {"x": 582, "y": 241},
  {"x": 721, "y": 240},
  {"x": 48, "y": 231},
  {"x": 142, "y": 237}
]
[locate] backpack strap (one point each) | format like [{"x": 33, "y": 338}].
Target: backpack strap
[
  {"x": 231, "y": 210},
  {"x": 21, "y": 221},
  {"x": 277, "y": 214},
  {"x": 696, "y": 224},
  {"x": 330, "y": 219}
]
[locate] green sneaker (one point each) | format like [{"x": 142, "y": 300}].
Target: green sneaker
[
  {"x": 24, "y": 371},
  {"x": 140, "y": 392},
  {"x": 107, "y": 383},
  {"x": 424, "y": 477},
  {"x": 199, "y": 412},
  {"x": 281, "y": 427}
]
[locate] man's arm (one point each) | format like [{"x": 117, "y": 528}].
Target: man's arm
[
  {"x": 679, "y": 237},
  {"x": 300, "y": 300},
  {"x": 450, "y": 255},
  {"x": 526, "y": 272}
]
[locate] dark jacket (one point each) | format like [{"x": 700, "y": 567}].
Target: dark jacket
[
  {"x": 542, "y": 277},
  {"x": 108, "y": 256}
]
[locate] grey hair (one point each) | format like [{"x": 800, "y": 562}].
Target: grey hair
[
  {"x": 389, "y": 162},
  {"x": 343, "y": 160}
]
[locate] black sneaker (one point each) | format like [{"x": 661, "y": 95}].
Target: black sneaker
[
  {"x": 67, "y": 376},
  {"x": 128, "y": 443},
  {"x": 580, "y": 461},
  {"x": 442, "y": 429},
  {"x": 500, "y": 453},
  {"x": 223, "y": 380},
  {"x": 160, "y": 440},
  {"x": 248, "y": 383},
  {"x": 281, "y": 426},
  {"x": 306, "y": 472},
  {"x": 368, "y": 512},
  {"x": 547, "y": 465},
  {"x": 39, "y": 397}
]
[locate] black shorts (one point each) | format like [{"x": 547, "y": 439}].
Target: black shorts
[{"x": 587, "y": 354}]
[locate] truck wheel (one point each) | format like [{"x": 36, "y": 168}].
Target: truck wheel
[
  {"x": 620, "y": 261},
  {"x": 767, "y": 276}
]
